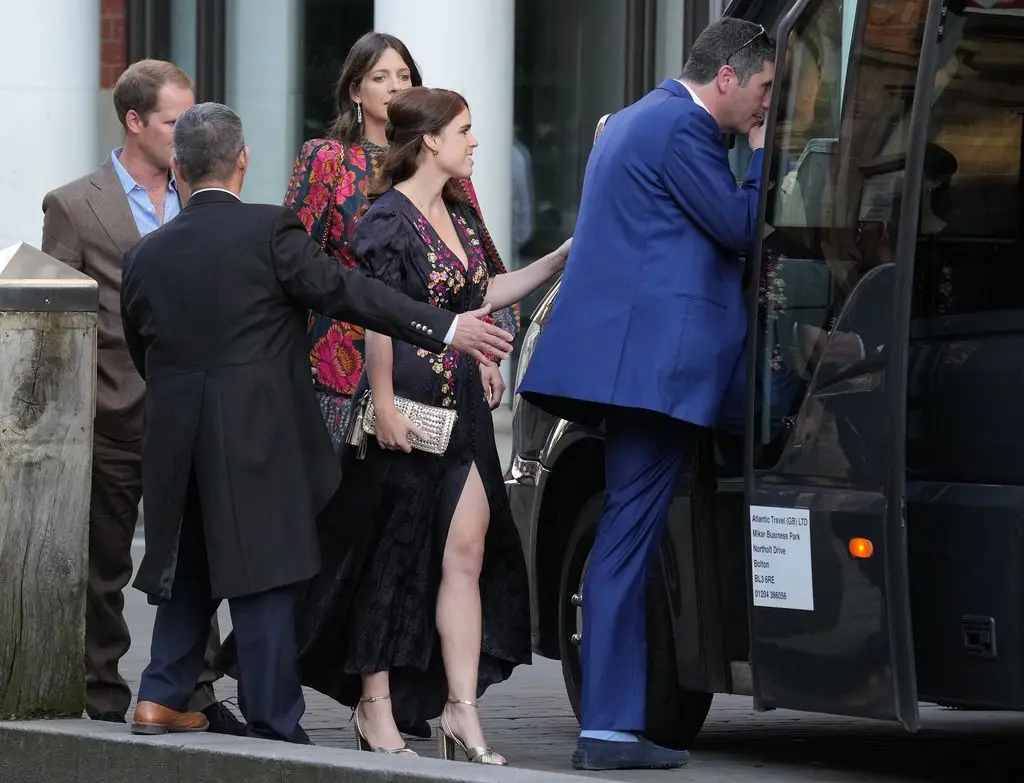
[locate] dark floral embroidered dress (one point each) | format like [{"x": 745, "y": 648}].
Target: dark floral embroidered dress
[
  {"x": 372, "y": 607},
  {"x": 326, "y": 170}
]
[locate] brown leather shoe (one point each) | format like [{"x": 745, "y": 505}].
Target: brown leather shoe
[{"x": 153, "y": 718}]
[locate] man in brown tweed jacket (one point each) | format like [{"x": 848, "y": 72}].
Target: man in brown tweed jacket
[{"x": 89, "y": 224}]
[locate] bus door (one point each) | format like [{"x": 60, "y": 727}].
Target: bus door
[{"x": 830, "y": 626}]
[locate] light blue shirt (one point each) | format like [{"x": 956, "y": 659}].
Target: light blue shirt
[{"x": 146, "y": 219}]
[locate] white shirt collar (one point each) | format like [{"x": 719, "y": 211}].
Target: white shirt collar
[
  {"x": 222, "y": 190},
  {"x": 696, "y": 98}
]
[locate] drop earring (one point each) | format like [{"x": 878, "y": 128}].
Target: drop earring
[{"x": 359, "y": 113}]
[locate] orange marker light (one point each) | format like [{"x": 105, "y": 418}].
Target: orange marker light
[{"x": 861, "y": 548}]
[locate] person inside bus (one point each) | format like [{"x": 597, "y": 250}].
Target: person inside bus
[
  {"x": 811, "y": 344},
  {"x": 854, "y": 348}
]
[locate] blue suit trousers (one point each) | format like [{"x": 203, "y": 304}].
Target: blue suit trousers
[{"x": 646, "y": 454}]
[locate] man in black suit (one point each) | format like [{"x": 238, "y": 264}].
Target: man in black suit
[{"x": 237, "y": 462}]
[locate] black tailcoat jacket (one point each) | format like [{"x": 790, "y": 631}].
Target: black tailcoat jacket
[{"x": 215, "y": 305}]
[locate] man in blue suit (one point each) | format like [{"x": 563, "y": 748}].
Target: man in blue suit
[{"x": 647, "y": 335}]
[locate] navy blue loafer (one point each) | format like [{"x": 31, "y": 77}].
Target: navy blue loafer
[{"x": 592, "y": 754}]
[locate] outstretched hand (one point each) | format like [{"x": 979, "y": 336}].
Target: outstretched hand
[
  {"x": 494, "y": 385},
  {"x": 563, "y": 252},
  {"x": 480, "y": 339}
]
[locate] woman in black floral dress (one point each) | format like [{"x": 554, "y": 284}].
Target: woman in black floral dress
[{"x": 422, "y": 602}]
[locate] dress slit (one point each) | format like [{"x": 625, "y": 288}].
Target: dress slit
[{"x": 373, "y": 605}]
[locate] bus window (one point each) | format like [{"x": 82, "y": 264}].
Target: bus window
[
  {"x": 968, "y": 255},
  {"x": 818, "y": 78},
  {"x": 967, "y": 332},
  {"x": 837, "y": 160}
]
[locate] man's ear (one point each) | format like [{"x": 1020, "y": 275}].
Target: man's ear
[
  {"x": 243, "y": 160},
  {"x": 184, "y": 191},
  {"x": 725, "y": 76},
  {"x": 133, "y": 121}
]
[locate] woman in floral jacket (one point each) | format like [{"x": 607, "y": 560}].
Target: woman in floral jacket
[{"x": 327, "y": 191}]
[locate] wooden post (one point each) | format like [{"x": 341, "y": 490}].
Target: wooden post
[{"x": 47, "y": 404}]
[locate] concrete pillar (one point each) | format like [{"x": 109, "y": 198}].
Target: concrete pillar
[
  {"x": 47, "y": 404},
  {"x": 469, "y": 47},
  {"x": 49, "y": 81},
  {"x": 263, "y": 84}
]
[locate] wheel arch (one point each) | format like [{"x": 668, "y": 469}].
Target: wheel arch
[{"x": 576, "y": 473}]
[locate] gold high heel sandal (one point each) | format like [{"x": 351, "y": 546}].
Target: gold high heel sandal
[
  {"x": 447, "y": 741},
  {"x": 362, "y": 744}
]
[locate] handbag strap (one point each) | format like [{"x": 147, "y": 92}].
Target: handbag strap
[
  {"x": 329, "y": 210},
  {"x": 331, "y": 207}
]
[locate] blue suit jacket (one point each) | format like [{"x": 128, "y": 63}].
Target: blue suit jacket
[{"x": 650, "y": 311}]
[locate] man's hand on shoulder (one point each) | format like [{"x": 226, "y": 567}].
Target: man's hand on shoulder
[{"x": 479, "y": 339}]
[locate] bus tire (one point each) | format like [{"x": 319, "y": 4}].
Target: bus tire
[{"x": 674, "y": 716}]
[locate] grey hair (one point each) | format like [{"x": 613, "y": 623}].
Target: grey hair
[
  {"x": 724, "y": 40},
  {"x": 207, "y": 140}
]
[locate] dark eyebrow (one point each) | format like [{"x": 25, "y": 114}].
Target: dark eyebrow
[{"x": 467, "y": 126}]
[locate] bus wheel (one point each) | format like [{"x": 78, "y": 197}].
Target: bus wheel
[{"x": 674, "y": 716}]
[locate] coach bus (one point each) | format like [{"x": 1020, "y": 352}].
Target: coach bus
[{"x": 853, "y": 542}]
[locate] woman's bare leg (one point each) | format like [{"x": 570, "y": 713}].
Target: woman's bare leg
[
  {"x": 458, "y": 606},
  {"x": 376, "y": 721}
]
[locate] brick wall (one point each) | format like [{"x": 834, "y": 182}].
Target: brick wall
[{"x": 113, "y": 41}]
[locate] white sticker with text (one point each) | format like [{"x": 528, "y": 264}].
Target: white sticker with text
[{"x": 780, "y": 552}]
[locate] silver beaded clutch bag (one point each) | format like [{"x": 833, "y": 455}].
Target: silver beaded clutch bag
[{"x": 435, "y": 422}]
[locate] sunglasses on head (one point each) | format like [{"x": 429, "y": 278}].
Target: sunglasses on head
[{"x": 745, "y": 44}]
